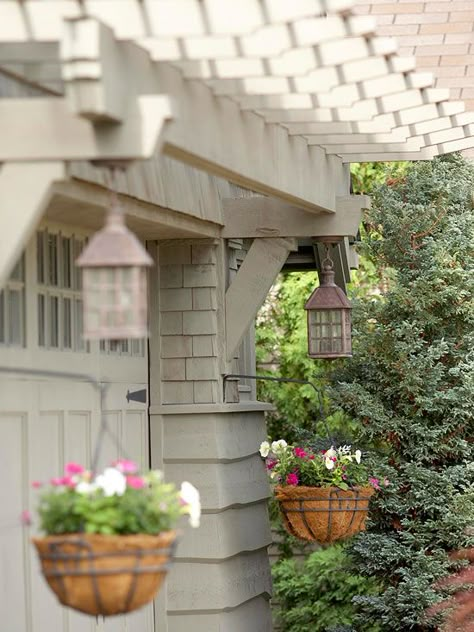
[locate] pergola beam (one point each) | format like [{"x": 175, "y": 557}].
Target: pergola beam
[{"x": 267, "y": 217}]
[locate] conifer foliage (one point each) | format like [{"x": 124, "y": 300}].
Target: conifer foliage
[{"x": 410, "y": 385}]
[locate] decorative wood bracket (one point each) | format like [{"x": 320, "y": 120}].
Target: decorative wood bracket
[
  {"x": 25, "y": 191},
  {"x": 250, "y": 286}
]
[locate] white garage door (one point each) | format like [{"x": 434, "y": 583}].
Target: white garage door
[{"x": 46, "y": 422}]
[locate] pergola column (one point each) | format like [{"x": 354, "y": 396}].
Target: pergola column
[{"x": 221, "y": 576}]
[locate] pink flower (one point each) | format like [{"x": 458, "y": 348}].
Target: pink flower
[
  {"x": 25, "y": 518},
  {"x": 36, "y": 484},
  {"x": 125, "y": 466},
  {"x": 271, "y": 464},
  {"x": 375, "y": 483},
  {"x": 68, "y": 481},
  {"x": 73, "y": 468},
  {"x": 300, "y": 453},
  {"x": 311, "y": 457},
  {"x": 292, "y": 479},
  {"x": 333, "y": 459},
  {"x": 135, "y": 482}
]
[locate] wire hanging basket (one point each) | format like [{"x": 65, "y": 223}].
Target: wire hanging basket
[
  {"x": 105, "y": 574},
  {"x": 323, "y": 514}
]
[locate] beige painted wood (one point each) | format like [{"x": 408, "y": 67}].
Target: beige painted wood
[
  {"x": 249, "y": 288},
  {"x": 45, "y": 129},
  {"x": 25, "y": 191},
  {"x": 266, "y": 217}
]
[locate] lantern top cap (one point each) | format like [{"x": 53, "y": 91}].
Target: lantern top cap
[
  {"x": 114, "y": 246},
  {"x": 328, "y": 295}
]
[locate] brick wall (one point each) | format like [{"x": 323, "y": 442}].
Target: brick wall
[{"x": 439, "y": 33}]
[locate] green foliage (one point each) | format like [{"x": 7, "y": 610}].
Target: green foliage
[
  {"x": 367, "y": 176},
  {"x": 317, "y": 596},
  {"x": 410, "y": 385}
]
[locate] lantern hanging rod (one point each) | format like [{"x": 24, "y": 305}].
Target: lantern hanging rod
[{"x": 290, "y": 380}]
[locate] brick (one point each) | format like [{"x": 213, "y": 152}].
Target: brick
[
  {"x": 171, "y": 323},
  {"x": 203, "y": 254},
  {"x": 176, "y": 346},
  {"x": 171, "y": 276},
  {"x": 394, "y": 8},
  {"x": 420, "y": 40},
  {"x": 468, "y": 93},
  {"x": 174, "y": 253},
  {"x": 201, "y": 369},
  {"x": 451, "y": 82},
  {"x": 204, "y": 346},
  {"x": 205, "y": 392},
  {"x": 202, "y": 275},
  {"x": 453, "y": 49},
  {"x": 450, "y": 27},
  {"x": 197, "y": 323},
  {"x": 423, "y": 18},
  {"x": 448, "y": 71},
  {"x": 427, "y": 62},
  {"x": 398, "y": 29},
  {"x": 461, "y": 16},
  {"x": 204, "y": 298},
  {"x": 176, "y": 300},
  {"x": 173, "y": 369},
  {"x": 457, "y": 60},
  {"x": 459, "y": 38},
  {"x": 177, "y": 393}
]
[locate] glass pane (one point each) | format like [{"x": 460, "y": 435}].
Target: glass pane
[
  {"x": 66, "y": 261},
  {"x": 67, "y": 324},
  {"x": 41, "y": 321},
  {"x": 335, "y": 316},
  {"x": 53, "y": 321},
  {"x": 102, "y": 345},
  {"x": 18, "y": 271},
  {"x": 77, "y": 249},
  {"x": 124, "y": 346},
  {"x": 15, "y": 317},
  {"x": 2, "y": 317},
  {"x": 79, "y": 325},
  {"x": 53, "y": 259},
  {"x": 114, "y": 346},
  {"x": 40, "y": 256}
]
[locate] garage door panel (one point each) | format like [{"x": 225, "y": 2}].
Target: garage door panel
[{"x": 13, "y": 540}]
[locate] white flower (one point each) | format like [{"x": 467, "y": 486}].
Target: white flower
[
  {"x": 358, "y": 455},
  {"x": 279, "y": 446},
  {"x": 85, "y": 488},
  {"x": 111, "y": 482},
  {"x": 329, "y": 464},
  {"x": 190, "y": 495},
  {"x": 264, "y": 449},
  {"x": 331, "y": 452}
]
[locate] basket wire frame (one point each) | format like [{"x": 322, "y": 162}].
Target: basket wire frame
[
  {"x": 70, "y": 562},
  {"x": 334, "y": 503}
]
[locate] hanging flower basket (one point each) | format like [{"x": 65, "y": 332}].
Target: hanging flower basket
[
  {"x": 105, "y": 574},
  {"x": 323, "y": 514},
  {"x": 323, "y": 495},
  {"x": 110, "y": 538}
]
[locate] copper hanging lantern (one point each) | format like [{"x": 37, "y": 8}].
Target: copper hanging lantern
[
  {"x": 114, "y": 279},
  {"x": 329, "y": 317}
]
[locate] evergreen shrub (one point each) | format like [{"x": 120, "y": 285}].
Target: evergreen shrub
[{"x": 410, "y": 385}]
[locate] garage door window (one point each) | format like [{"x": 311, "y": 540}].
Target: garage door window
[{"x": 12, "y": 308}]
